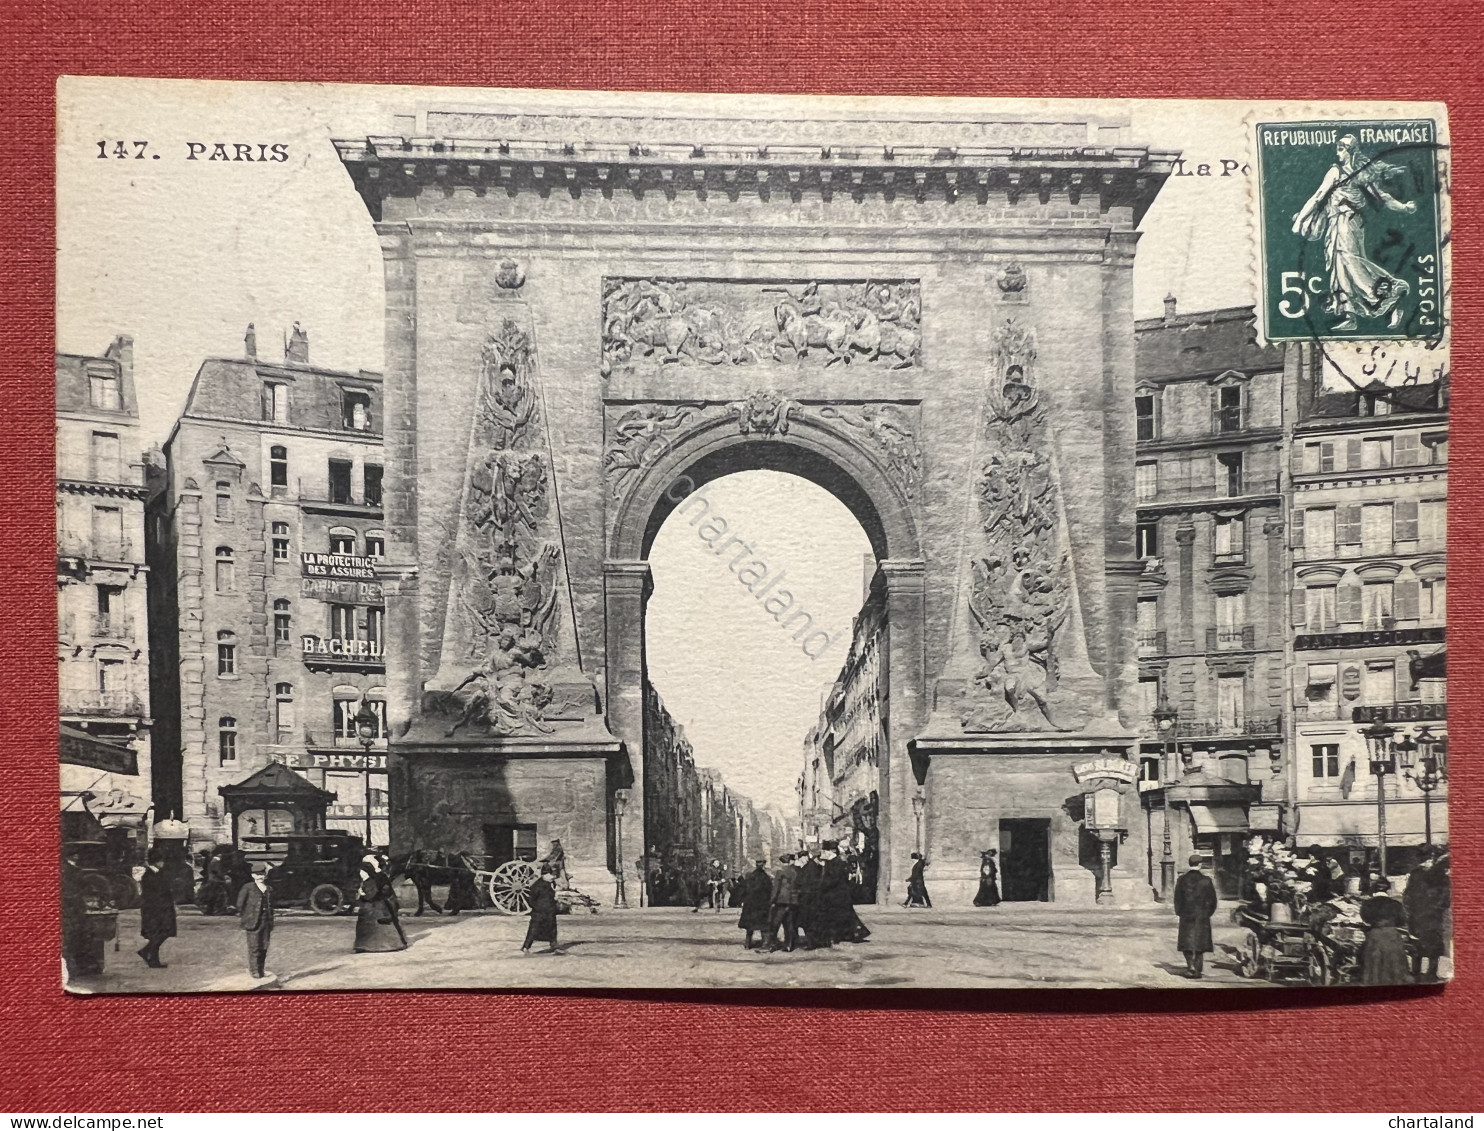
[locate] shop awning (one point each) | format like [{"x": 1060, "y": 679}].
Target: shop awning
[
  {"x": 79, "y": 748},
  {"x": 1219, "y": 818}
]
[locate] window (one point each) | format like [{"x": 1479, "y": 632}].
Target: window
[
  {"x": 1148, "y": 695},
  {"x": 104, "y": 457},
  {"x": 1146, "y": 480},
  {"x": 375, "y": 544},
  {"x": 1378, "y": 684},
  {"x": 1230, "y": 480},
  {"x": 1229, "y": 409},
  {"x": 1147, "y": 539},
  {"x": 1326, "y": 757},
  {"x": 226, "y": 653},
  {"x": 1347, "y": 525},
  {"x": 103, "y": 389},
  {"x": 108, "y": 533},
  {"x": 346, "y": 705},
  {"x": 280, "y": 541},
  {"x": 282, "y": 621},
  {"x": 342, "y": 540},
  {"x": 1376, "y": 453},
  {"x": 375, "y": 699},
  {"x": 223, "y": 501},
  {"x": 1229, "y": 540},
  {"x": 1432, "y": 524},
  {"x": 1319, "y": 608},
  {"x": 276, "y": 401},
  {"x": 1375, "y": 404},
  {"x": 372, "y": 493},
  {"x": 340, "y": 481},
  {"x": 1230, "y": 619},
  {"x": 111, "y": 675},
  {"x": 1231, "y": 701},
  {"x": 1319, "y": 693},
  {"x": 1376, "y": 528},
  {"x": 1319, "y": 533},
  {"x": 1433, "y": 599},
  {"x": 1439, "y": 449},
  {"x": 343, "y": 622},
  {"x": 283, "y": 710},
  {"x": 357, "y": 410},
  {"x": 1377, "y": 598},
  {"x": 1406, "y": 516},
  {"x": 1318, "y": 457},
  {"x": 1407, "y": 450},
  {"x": 226, "y": 570},
  {"x": 375, "y": 628},
  {"x": 1144, "y": 415},
  {"x": 226, "y": 740},
  {"x": 278, "y": 466},
  {"x": 1148, "y": 624}
]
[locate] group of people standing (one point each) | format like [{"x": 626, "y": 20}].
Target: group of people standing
[{"x": 809, "y": 894}]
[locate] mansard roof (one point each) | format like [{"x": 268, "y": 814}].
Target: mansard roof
[
  {"x": 232, "y": 389},
  {"x": 1202, "y": 344}
]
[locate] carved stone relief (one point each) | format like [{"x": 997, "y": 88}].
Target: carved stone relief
[
  {"x": 762, "y": 413},
  {"x": 890, "y": 430},
  {"x": 648, "y": 323}
]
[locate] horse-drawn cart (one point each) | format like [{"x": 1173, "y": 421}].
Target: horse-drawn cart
[{"x": 508, "y": 886}]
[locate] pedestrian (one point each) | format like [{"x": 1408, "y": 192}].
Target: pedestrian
[
  {"x": 835, "y": 915},
  {"x": 156, "y": 908},
  {"x": 543, "y": 927},
  {"x": 255, "y": 914},
  {"x": 1427, "y": 901},
  {"x": 1195, "y": 903},
  {"x": 1383, "y": 955},
  {"x": 988, "y": 894},
  {"x": 810, "y": 873},
  {"x": 785, "y": 916},
  {"x": 556, "y": 860},
  {"x": 378, "y": 927},
  {"x": 756, "y": 890},
  {"x": 917, "y": 893}
]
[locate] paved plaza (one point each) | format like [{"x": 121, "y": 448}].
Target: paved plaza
[{"x": 1008, "y": 946}]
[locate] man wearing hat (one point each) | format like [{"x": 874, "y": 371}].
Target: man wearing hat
[
  {"x": 785, "y": 917},
  {"x": 1195, "y": 903},
  {"x": 255, "y": 915},
  {"x": 757, "y": 901}
]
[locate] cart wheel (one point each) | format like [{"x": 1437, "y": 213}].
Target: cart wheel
[
  {"x": 1250, "y": 964},
  {"x": 326, "y": 900},
  {"x": 508, "y": 887},
  {"x": 1319, "y": 968}
]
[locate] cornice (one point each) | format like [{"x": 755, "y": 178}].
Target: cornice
[{"x": 95, "y": 487}]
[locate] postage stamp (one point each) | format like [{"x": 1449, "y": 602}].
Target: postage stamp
[{"x": 1351, "y": 237}]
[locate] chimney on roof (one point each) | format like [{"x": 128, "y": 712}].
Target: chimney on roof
[
  {"x": 1169, "y": 308},
  {"x": 121, "y": 350},
  {"x": 250, "y": 342},
  {"x": 297, "y": 348}
]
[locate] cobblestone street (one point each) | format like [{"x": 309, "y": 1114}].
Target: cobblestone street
[{"x": 1009, "y": 946}]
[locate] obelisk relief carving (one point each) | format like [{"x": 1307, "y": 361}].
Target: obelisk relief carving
[
  {"x": 509, "y": 664},
  {"x": 1020, "y": 663}
]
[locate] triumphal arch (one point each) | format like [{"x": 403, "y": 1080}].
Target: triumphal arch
[{"x": 591, "y": 315}]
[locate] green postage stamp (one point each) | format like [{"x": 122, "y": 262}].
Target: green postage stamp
[{"x": 1351, "y": 235}]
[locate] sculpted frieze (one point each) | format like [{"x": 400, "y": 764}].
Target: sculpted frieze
[
  {"x": 889, "y": 429},
  {"x": 654, "y": 322}
]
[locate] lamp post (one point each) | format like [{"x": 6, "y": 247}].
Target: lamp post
[
  {"x": 1165, "y": 718},
  {"x": 1432, "y": 771},
  {"x": 1380, "y": 740},
  {"x": 367, "y": 724},
  {"x": 919, "y": 803},
  {"x": 620, "y": 803}
]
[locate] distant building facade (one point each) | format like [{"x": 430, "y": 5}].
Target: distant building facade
[
  {"x": 265, "y": 531},
  {"x": 1369, "y": 608},
  {"x": 1212, "y": 601},
  {"x": 102, "y": 624}
]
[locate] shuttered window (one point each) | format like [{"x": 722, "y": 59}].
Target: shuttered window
[
  {"x": 1347, "y": 525},
  {"x": 1408, "y": 603},
  {"x": 1347, "y": 604}
]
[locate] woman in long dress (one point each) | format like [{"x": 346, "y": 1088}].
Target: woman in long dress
[
  {"x": 988, "y": 894},
  {"x": 378, "y": 927},
  {"x": 1334, "y": 216},
  {"x": 1383, "y": 956},
  {"x": 543, "y": 899}
]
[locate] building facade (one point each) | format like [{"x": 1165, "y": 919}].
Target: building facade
[
  {"x": 1369, "y": 608},
  {"x": 102, "y": 623},
  {"x": 265, "y": 532},
  {"x": 1211, "y": 614}
]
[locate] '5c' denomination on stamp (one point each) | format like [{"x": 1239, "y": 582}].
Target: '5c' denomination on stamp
[{"x": 1351, "y": 241}]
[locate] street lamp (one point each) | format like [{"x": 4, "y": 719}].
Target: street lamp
[
  {"x": 620, "y": 803},
  {"x": 367, "y": 724},
  {"x": 1432, "y": 771},
  {"x": 919, "y": 803},
  {"x": 1165, "y": 718},
  {"x": 1380, "y": 742}
]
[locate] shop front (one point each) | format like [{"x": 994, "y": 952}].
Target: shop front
[
  {"x": 273, "y": 802},
  {"x": 1211, "y": 816}
]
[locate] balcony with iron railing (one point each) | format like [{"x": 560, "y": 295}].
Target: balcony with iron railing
[
  {"x": 344, "y": 499},
  {"x": 1268, "y": 725},
  {"x": 98, "y": 626},
  {"x": 101, "y": 704},
  {"x": 1249, "y": 486},
  {"x": 1231, "y": 638},
  {"x": 1151, "y": 642},
  {"x": 95, "y": 549}
]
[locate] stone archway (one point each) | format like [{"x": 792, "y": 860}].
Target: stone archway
[{"x": 865, "y": 453}]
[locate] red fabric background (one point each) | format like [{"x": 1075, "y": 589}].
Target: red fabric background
[{"x": 1263, "y": 1050}]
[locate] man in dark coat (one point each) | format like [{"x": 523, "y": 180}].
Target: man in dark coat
[
  {"x": 1427, "y": 900},
  {"x": 836, "y": 915},
  {"x": 785, "y": 917},
  {"x": 757, "y": 901},
  {"x": 543, "y": 926},
  {"x": 156, "y": 909},
  {"x": 917, "y": 893},
  {"x": 811, "y": 872},
  {"x": 255, "y": 915},
  {"x": 1195, "y": 903}
]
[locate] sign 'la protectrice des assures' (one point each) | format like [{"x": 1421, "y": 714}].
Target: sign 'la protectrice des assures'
[{"x": 1351, "y": 240}]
